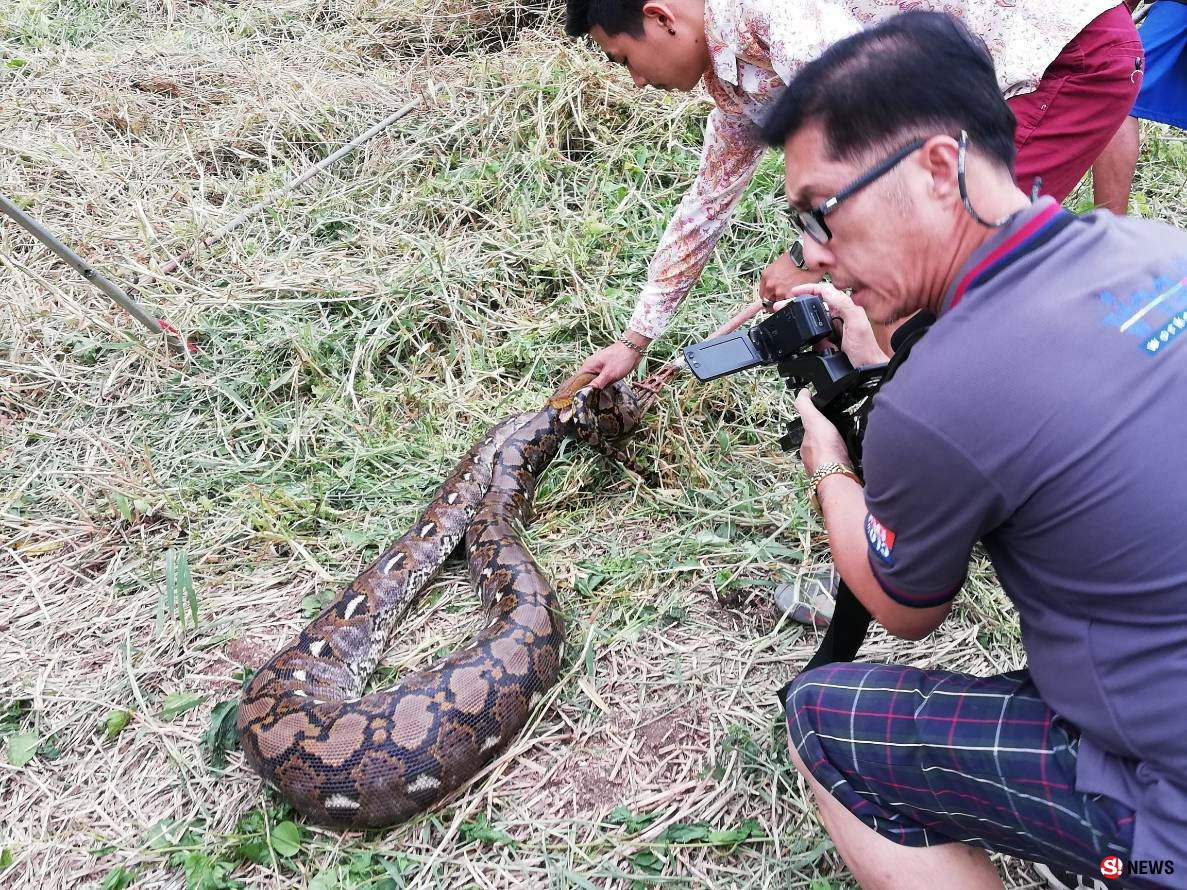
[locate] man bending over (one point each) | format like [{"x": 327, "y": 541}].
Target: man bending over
[{"x": 1039, "y": 416}]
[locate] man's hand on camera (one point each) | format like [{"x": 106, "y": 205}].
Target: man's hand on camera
[
  {"x": 857, "y": 335},
  {"x": 778, "y": 279},
  {"x": 822, "y": 443},
  {"x": 614, "y": 361}
]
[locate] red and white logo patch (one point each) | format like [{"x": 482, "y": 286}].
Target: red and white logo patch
[
  {"x": 1112, "y": 867},
  {"x": 881, "y": 540}
]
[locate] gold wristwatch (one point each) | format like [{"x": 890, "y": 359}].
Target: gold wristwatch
[{"x": 820, "y": 475}]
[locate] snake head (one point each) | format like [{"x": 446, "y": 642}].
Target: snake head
[
  {"x": 613, "y": 410},
  {"x": 598, "y": 416},
  {"x": 592, "y": 414}
]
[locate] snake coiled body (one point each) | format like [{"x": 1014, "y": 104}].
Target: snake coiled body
[{"x": 350, "y": 760}]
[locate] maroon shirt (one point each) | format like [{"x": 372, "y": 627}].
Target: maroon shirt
[{"x": 1043, "y": 415}]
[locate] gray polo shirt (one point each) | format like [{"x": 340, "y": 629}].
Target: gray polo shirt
[{"x": 1044, "y": 415}]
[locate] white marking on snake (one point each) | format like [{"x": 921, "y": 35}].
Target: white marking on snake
[
  {"x": 427, "y": 529},
  {"x": 487, "y": 572},
  {"x": 451, "y": 497},
  {"x": 300, "y": 676},
  {"x": 341, "y": 802},
  {"x": 391, "y": 563},
  {"x": 353, "y": 606},
  {"x": 315, "y": 648},
  {"x": 424, "y": 783},
  {"x": 490, "y": 742},
  {"x": 301, "y": 693},
  {"x": 467, "y": 476}
]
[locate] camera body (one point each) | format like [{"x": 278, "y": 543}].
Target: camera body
[
  {"x": 789, "y": 339},
  {"x": 797, "y": 326}
]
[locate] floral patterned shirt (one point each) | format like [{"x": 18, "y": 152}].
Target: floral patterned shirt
[{"x": 757, "y": 45}]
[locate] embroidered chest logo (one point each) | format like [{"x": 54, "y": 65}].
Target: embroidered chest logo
[
  {"x": 1155, "y": 317},
  {"x": 881, "y": 540}
]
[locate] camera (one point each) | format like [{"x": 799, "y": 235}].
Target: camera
[
  {"x": 791, "y": 340},
  {"x": 800, "y": 324}
]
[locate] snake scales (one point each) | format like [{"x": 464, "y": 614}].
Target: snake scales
[{"x": 350, "y": 760}]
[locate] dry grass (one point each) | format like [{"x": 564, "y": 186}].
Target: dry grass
[{"x": 355, "y": 338}]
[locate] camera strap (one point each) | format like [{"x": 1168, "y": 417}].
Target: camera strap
[{"x": 851, "y": 620}]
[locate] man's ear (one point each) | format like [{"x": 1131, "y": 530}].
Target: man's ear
[
  {"x": 939, "y": 157},
  {"x": 660, "y": 11}
]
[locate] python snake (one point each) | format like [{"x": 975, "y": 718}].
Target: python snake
[{"x": 350, "y": 760}]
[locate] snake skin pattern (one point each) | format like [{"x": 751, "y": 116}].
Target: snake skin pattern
[{"x": 349, "y": 760}]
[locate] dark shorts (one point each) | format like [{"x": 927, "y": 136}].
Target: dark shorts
[
  {"x": 1080, "y": 103},
  {"x": 932, "y": 757},
  {"x": 1163, "y": 96}
]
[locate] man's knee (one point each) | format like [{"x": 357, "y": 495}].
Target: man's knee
[
  {"x": 828, "y": 708},
  {"x": 809, "y": 696},
  {"x": 797, "y": 761}
]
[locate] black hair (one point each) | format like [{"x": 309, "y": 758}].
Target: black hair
[
  {"x": 914, "y": 74},
  {"x": 613, "y": 16}
]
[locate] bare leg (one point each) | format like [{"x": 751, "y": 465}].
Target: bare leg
[
  {"x": 880, "y": 864},
  {"x": 1112, "y": 174}
]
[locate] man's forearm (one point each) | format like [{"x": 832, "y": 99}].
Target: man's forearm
[
  {"x": 843, "y": 505},
  {"x": 729, "y": 158}
]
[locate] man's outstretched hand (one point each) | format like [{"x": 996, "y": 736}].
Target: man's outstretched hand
[{"x": 613, "y": 362}]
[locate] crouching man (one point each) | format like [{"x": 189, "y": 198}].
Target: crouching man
[{"x": 1042, "y": 416}]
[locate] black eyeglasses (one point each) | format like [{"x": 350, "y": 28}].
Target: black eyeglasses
[{"x": 812, "y": 223}]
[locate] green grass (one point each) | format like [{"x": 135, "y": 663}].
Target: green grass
[{"x": 166, "y": 524}]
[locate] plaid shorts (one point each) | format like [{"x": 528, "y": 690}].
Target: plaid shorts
[{"x": 932, "y": 757}]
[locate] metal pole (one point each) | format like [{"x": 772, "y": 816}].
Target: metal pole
[
  {"x": 94, "y": 276},
  {"x": 117, "y": 294},
  {"x": 251, "y": 211}
]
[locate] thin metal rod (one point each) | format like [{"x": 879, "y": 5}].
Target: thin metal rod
[
  {"x": 321, "y": 165},
  {"x": 94, "y": 276}
]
